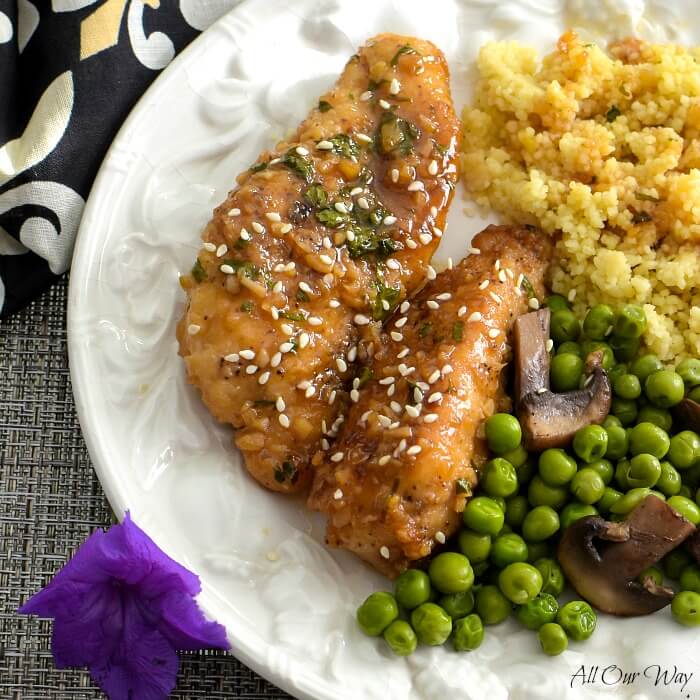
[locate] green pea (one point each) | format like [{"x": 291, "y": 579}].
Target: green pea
[
  {"x": 484, "y": 515},
  {"x": 630, "y": 501},
  {"x": 377, "y": 612},
  {"x": 501, "y": 503},
  {"x": 458, "y": 605},
  {"x": 526, "y": 471},
  {"x": 608, "y": 499},
  {"x": 631, "y": 321},
  {"x": 564, "y": 326},
  {"x": 687, "y": 508},
  {"x": 624, "y": 409},
  {"x": 690, "y": 579},
  {"x": 401, "y": 638},
  {"x": 570, "y": 347},
  {"x": 650, "y": 439},
  {"x": 618, "y": 444},
  {"x": 669, "y": 482},
  {"x": 587, "y": 486},
  {"x": 556, "y": 467},
  {"x": 622, "y": 474},
  {"x": 498, "y": 478},
  {"x": 516, "y": 457},
  {"x": 476, "y": 546},
  {"x": 540, "y": 524},
  {"x": 599, "y": 322},
  {"x": 611, "y": 422},
  {"x": 591, "y": 442},
  {"x": 675, "y": 562},
  {"x": 508, "y": 549},
  {"x": 573, "y": 512},
  {"x": 565, "y": 372},
  {"x": 686, "y": 608},
  {"x": 608, "y": 359},
  {"x": 520, "y": 582},
  {"x": 412, "y": 588},
  {"x": 646, "y": 365},
  {"x": 577, "y": 619},
  {"x": 556, "y": 302},
  {"x": 553, "y": 639},
  {"x": 689, "y": 371},
  {"x": 644, "y": 471},
  {"x": 657, "y": 416},
  {"x": 627, "y": 386},
  {"x": 491, "y": 605},
  {"x": 552, "y": 576},
  {"x": 654, "y": 573},
  {"x": 451, "y": 572},
  {"x": 664, "y": 388},
  {"x": 431, "y": 624},
  {"x": 539, "y": 493},
  {"x": 619, "y": 370},
  {"x": 625, "y": 349},
  {"x": 516, "y": 510},
  {"x": 685, "y": 491},
  {"x": 694, "y": 394},
  {"x": 539, "y": 611},
  {"x": 604, "y": 467},
  {"x": 538, "y": 550},
  {"x": 468, "y": 633},
  {"x": 503, "y": 432},
  {"x": 684, "y": 449}
]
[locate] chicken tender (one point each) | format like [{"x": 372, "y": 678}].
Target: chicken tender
[
  {"x": 319, "y": 242},
  {"x": 397, "y": 479}
]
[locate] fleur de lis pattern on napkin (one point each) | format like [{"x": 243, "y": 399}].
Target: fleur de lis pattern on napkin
[{"x": 70, "y": 71}]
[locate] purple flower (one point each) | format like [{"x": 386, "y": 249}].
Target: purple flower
[{"x": 122, "y": 607}]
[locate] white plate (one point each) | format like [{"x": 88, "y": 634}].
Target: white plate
[{"x": 286, "y": 600}]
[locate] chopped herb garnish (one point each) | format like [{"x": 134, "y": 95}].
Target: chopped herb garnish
[
  {"x": 324, "y": 106},
  {"x": 457, "y": 331},
  {"x": 377, "y": 216},
  {"x": 395, "y": 135},
  {"x": 388, "y": 294},
  {"x": 302, "y": 295},
  {"x": 316, "y": 196},
  {"x": 240, "y": 244},
  {"x": 249, "y": 269},
  {"x": 287, "y": 472},
  {"x": 646, "y": 197},
  {"x": 299, "y": 164},
  {"x": 364, "y": 376},
  {"x": 641, "y": 217},
  {"x": 344, "y": 146},
  {"x": 612, "y": 114},
  {"x": 403, "y": 51},
  {"x": 300, "y": 212},
  {"x": 463, "y": 486},
  {"x": 292, "y": 315},
  {"x": 247, "y": 306},
  {"x": 424, "y": 330},
  {"x": 440, "y": 148},
  {"x": 199, "y": 274},
  {"x": 374, "y": 84},
  {"x": 529, "y": 289},
  {"x": 332, "y": 218},
  {"x": 368, "y": 240},
  {"x": 258, "y": 167}
]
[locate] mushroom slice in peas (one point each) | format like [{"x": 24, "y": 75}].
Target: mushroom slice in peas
[
  {"x": 687, "y": 414},
  {"x": 551, "y": 419},
  {"x": 694, "y": 546},
  {"x": 603, "y": 560}
]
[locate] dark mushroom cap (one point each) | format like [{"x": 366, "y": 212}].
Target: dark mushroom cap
[
  {"x": 549, "y": 419},
  {"x": 603, "y": 560},
  {"x": 694, "y": 546},
  {"x": 687, "y": 414}
]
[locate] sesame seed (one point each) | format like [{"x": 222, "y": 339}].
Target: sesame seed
[
  {"x": 495, "y": 297},
  {"x": 497, "y": 264},
  {"x": 274, "y": 161},
  {"x": 484, "y": 284},
  {"x": 264, "y": 378},
  {"x": 258, "y": 228},
  {"x": 227, "y": 269},
  {"x": 193, "y": 329},
  {"x": 354, "y": 395},
  {"x": 393, "y": 264},
  {"x": 340, "y": 207},
  {"x": 324, "y": 145},
  {"x": 384, "y": 551},
  {"x": 273, "y": 216},
  {"x": 209, "y": 247},
  {"x": 383, "y": 460},
  {"x": 435, "y": 397},
  {"x": 405, "y": 306},
  {"x": 365, "y": 416},
  {"x": 432, "y": 304},
  {"x": 440, "y": 537},
  {"x": 502, "y": 276},
  {"x": 328, "y": 279},
  {"x": 304, "y": 384},
  {"x": 304, "y": 339},
  {"x": 361, "y": 320},
  {"x": 446, "y": 369},
  {"x": 350, "y": 235},
  {"x": 396, "y": 336},
  {"x": 414, "y": 450},
  {"x": 430, "y": 272},
  {"x": 412, "y": 411},
  {"x": 274, "y": 313},
  {"x": 509, "y": 272},
  {"x": 390, "y": 391},
  {"x": 286, "y": 347},
  {"x": 331, "y": 397},
  {"x": 280, "y": 405},
  {"x": 415, "y": 186},
  {"x": 445, "y": 296},
  {"x": 389, "y": 220},
  {"x": 384, "y": 421},
  {"x": 474, "y": 251},
  {"x": 356, "y": 383},
  {"x": 401, "y": 322},
  {"x": 334, "y": 303},
  {"x": 363, "y": 137},
  {"x": 341, "y": 365},
  {"x": 233, "y": 357},
  {"x": 494, "y": 333},
  {"x": 325, "y": 445},
  {"x": 284, "y": 420},
  {"x": 402, "y": 446},
  {"x": 387, "y": 380},
  {"x": 437, "y": 232},
  {"x": 365, "y": 96},
  {"x": 571, "y": 295},
  {"x": 433, "y": 167},
  {"x": 394, "y": 175},
  {"x": 278, "y": 287},
  {"x": 362, "y": 203},
  {"x": 410, "y": 243},
  {"x": 425, "y": 238},
  {"x": 385, "y": 305},
  {"x": 304, "y": 286},
  {"x": 337, "y": 456},
  {"x": 549, "y": 344},
  {"x": 533, "y": 303},
  {"x": 247, "y": 354},
  {"x": 434, "y": 377},
  {"x": 403, "y": 353},
  {"x": 310, "y": 391},
  {"x": 423, "y": 386},
  {"x": 287, "y": 329},
  {"x": 302, "y": 151},
  {"x": 352, "y": 353},
  {"x": 285, "y": 228},
  {"x": 396, "y": 407},
  {"x": 234, "y": 212},
  {"x": 542, "y": 390},
  {"x": 338, "y": 494},
  {"x": 404, "y": 371},
  {"x": 384, "y": 104},
  {"x": 315, "y": 321},
  {"x": 251, "y": 369},
  {"x": 520, "y": 279},
  {"x": 462, "y": 311},
  {"x": 394, "y": 86},
  {"x": 276, "y": 359},
  {"x": 326, "y": 259},
  {"x": 430, "y": 418},
  {"x": 417, "y": 395}
]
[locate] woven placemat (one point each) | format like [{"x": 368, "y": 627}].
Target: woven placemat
[{"x": 50, "y": 501}]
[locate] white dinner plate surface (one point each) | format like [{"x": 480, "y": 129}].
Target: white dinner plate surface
[{"x": 287, "y": 601}]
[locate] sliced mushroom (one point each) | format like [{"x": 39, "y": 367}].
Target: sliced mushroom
[
  {"x": 687, "y": 414},
  {"x": 549, "y": 419},
  {"x": 603, "y": 560},
  {"x": 694, "y": 546}
]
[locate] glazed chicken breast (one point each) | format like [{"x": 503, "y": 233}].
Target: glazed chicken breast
[
  {"x": 319, "y": 242},
  {"x": 396, "y": 480}
]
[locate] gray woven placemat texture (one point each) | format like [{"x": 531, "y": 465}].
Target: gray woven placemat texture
[{"x": 50, "y": 501}]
